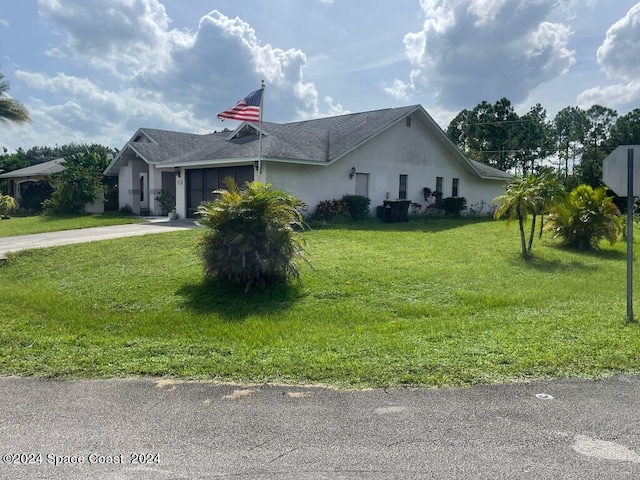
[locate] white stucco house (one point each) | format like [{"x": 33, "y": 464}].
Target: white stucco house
[{"x": 383, "y": 154}]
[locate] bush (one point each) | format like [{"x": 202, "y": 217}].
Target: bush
[
  {"x": 585, "y": 217},
  {"x": 78, "y": 184},
  {"x": 7, "y": 205},
  {"x": 358, "y": 206},
  {"x": 253, "y": 235},
  {"x": 126, "y": 210},
  {"x": 330, "y": 209},
  {"x": 166, "y": 200},
  {"x": 454, "y": 206}
]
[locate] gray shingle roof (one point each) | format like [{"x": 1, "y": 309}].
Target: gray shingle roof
[
  {"x": 319, "y": 140},
  {"x": 487, "y": 171},
  {"x": 41, "y": 169}
]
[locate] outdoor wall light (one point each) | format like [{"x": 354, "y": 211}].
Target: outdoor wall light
[
  {"x": 176, "y": 170},
  {"x": 256, "y": 164},
  {"x": 352, "y": 173}
]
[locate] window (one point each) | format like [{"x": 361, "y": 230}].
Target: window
[
  {"x": 402, "y": 191},
  {"x": 439, "y": 182},
  {"x": 408, "y": 121},
  {"x": 454, "y": 187},
  {"x": 141, "y": 188}
]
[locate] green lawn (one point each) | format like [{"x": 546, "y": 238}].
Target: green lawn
[
  {"x": 45, "y": 223},
  {"x": 427, "y": 303}
]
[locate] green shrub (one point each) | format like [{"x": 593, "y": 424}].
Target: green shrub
[
  {"x": 78, "y": 184},
  {"x": 454, "y": 206},
  {"x": 330, "y": 209},
  {"x": 126, "y": 210},
  {"x": 253, "y": 235},
  {"x": 584, "y": 217},
  {"x": 358, "y": 206},
  {"x": 166, "y": 200},
  {"x": 7, "y": 205}
]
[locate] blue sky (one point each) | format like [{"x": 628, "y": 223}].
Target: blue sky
[{"x": 93, "y": 71}]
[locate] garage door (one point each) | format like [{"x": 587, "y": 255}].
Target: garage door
[{"x": 202, "y": 182}]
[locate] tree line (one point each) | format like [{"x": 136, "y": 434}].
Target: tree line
[{"x": 573, "y": 143}]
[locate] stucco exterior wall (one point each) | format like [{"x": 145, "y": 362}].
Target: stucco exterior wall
[
  {"x": 155, "y": 187},
  {"x": 401, "y": 150},
  {"x": 125, "y": 195},
  {"x": 97, "y": 206}
]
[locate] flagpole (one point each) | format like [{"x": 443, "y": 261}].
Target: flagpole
[{"x": 260, "y": 142}]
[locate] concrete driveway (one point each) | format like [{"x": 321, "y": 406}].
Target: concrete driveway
[
  {"x": 67, "y": 237},
  {"x": 165, "y": 429}
]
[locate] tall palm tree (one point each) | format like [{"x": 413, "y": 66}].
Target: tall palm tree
[{"x": 11, "y": 110}]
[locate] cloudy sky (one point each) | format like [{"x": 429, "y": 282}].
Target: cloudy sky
[{"x": 93, "y": 71}]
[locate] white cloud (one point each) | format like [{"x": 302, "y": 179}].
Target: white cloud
[
  {"x": 399, "y": 90},
  {"x": 152, "y": 75},
  {"x": 226, "y": 57},
  {"x": 114, "y": 35},
  {"x": 619, "y": 55},
  {"x": 473, "y": 50},
  {"x": 334, "y": 108},
  {"x": 109, "y": 115},
  {"x": 485, "y": 10},
  {"x": 622, "y": 95}
]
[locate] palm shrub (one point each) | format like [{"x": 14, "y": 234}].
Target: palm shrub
[
  {"x": 584, "y": 217},
  {"x": 253, "y": 236}
]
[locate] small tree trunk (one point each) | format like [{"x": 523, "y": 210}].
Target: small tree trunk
[
  {"x": 523, "y": 239},
  {"x": 541, "y": 225},
  {"x": 531, "y": 235}
]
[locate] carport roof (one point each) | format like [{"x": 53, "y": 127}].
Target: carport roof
[{"x": 44, "y": 169}]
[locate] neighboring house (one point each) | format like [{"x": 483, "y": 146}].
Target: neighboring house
[
  {"x": 383, "y": 154},
  {"x": 19, "y": 181}
]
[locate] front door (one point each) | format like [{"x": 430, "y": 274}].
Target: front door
[{"x": 362, "y": 184}]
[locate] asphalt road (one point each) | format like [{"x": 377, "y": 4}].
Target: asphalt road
[{"x": 162, "y": 429}]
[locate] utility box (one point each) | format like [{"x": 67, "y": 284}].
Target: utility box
[{"x": 396, "y": 210}]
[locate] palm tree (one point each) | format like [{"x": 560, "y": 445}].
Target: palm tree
[
  {"x": 585, "y": 217},
  {"x": 11, "y": 110},
  {"x": 521, "y": 198},
  {"x": 253, "y": 236}
]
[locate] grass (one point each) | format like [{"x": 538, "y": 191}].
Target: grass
[
  {"x": 440, "y": 303},
  {"x": 49, "y": 223}
]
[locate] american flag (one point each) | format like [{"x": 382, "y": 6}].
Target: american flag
[{"x": 246, "y": 109}]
